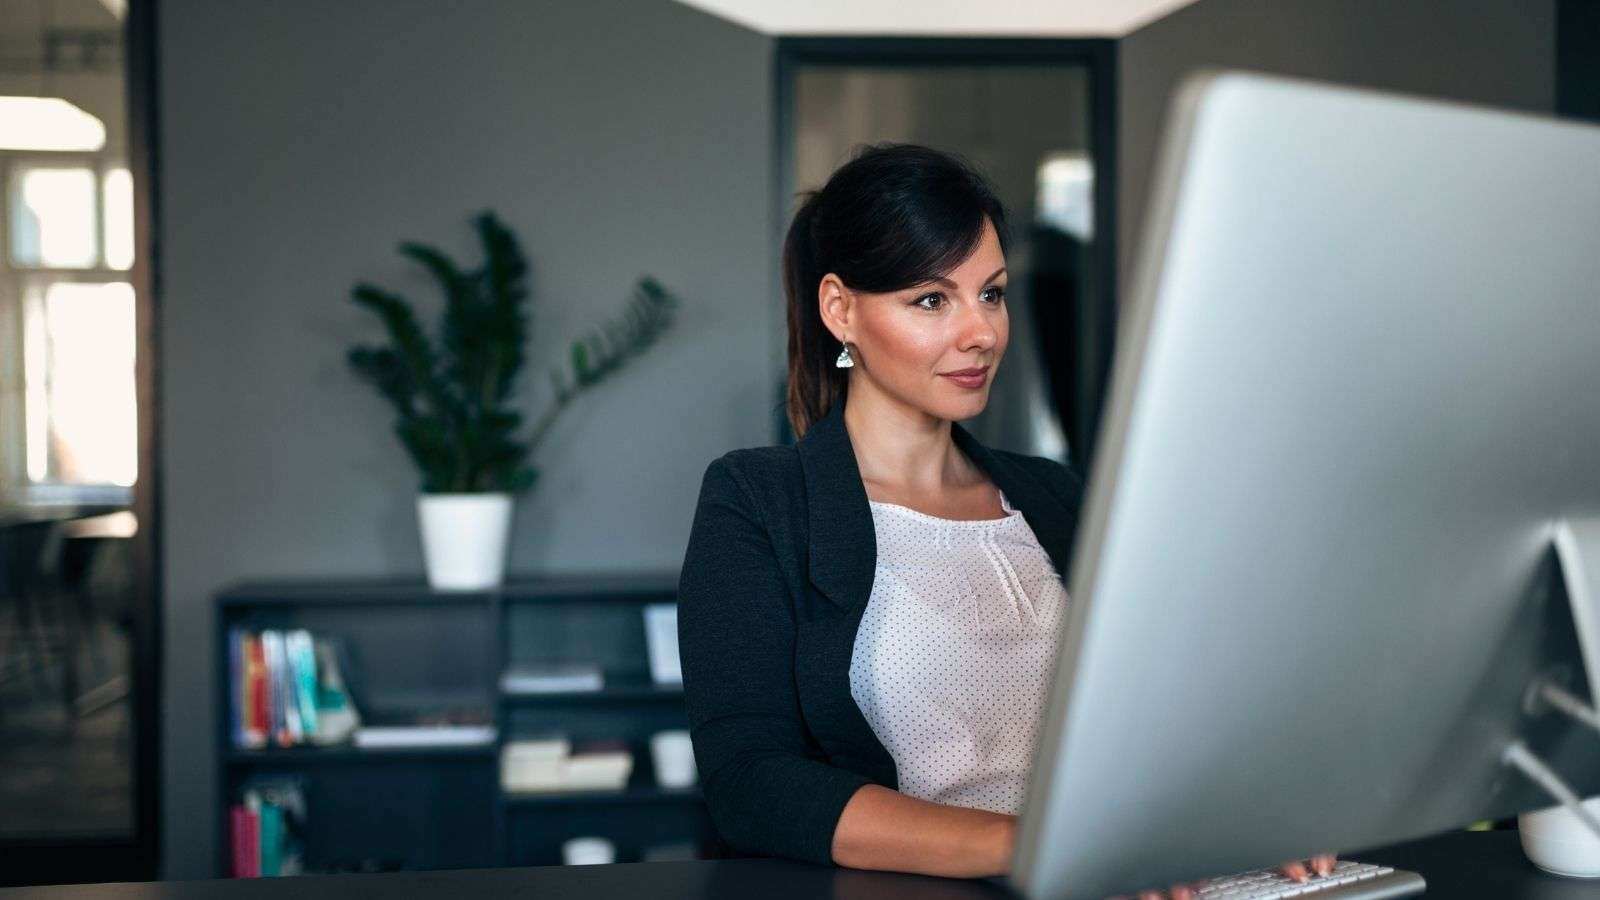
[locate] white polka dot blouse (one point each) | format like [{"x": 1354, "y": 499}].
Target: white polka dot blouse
[{"x": 955, "y": 651}]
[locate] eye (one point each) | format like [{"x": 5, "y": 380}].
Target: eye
[{"x": 994, "y": 295}]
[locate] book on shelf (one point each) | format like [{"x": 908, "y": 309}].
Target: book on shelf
[
  {"x": 446, "y": 728},
  {"x": 337, "y": 717},
  {"x": 286, "y": 728},
  {"x": 599, "y": 765},
  {"x": 244, "y": 837},
  {"x": 534, "y": 764},
  {"x": 303, "y": 682},
  {"x": 286, "y": 689},
  {"x": 267, "y": 828},
  {"x": 551, "y": 678},
  {"x": 552, "y": 763}
]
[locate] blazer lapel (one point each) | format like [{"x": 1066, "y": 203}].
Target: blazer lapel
[
  {"x": 843, "y": 550},
  {"x": 844, "y": 547}
]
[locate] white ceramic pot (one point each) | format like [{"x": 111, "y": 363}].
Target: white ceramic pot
[
  {"x": 588, "y": 851},
  {"x": 673, "y": 754},
  {"x": 1557, "y": 841},
  {"x": 464, "y": 539}
]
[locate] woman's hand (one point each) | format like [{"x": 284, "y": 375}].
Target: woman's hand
[
  {"x": 1301, "y": 869},
  {"x": 1297, "y": 870}
]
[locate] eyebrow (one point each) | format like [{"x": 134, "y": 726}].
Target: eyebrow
[{"x": 948, "y": 283}]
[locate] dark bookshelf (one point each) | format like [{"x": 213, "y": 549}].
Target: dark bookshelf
[
  {"x": 610, "y": 693},
  {"x": 630, "y": 795},
  {"x": 348, "y": 753},
  {"x": 408, "y": 647}
]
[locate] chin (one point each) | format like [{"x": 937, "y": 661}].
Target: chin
[{"x": 958, "y": 411}]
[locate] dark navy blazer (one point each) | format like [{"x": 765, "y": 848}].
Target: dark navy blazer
[{"x": 777, "y": 574}]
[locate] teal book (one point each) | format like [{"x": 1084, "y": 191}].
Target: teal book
[
  {"x": 337, "y": 716},
  {"x": 271, "y": 839},
  {"x": 304, "y": 668},
  {"x": 278, "y": 840}
]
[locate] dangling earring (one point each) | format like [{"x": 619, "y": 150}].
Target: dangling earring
[{"x": 844, "y": 361}]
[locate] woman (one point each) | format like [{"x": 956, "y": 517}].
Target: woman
[{"x": 868, "y": 619}]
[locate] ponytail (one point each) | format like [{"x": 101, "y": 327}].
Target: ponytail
[{"x": 814, "y": 383}]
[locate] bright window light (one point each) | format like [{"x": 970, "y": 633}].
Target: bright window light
[
  {"x": 36, "y": 389},
  {"x": 53, "y": 217},
  {"x": 1065, "y": 195},
  {"x": 48, "y": 123},
  {"x": 81, "y": 409},
  {"x": 119, "y": 219}
]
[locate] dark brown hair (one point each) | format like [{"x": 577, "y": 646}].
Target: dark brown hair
[{"x": 894, "y": 216}]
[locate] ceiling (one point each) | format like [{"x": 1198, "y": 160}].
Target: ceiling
[{"x": 1037, "y": 18}]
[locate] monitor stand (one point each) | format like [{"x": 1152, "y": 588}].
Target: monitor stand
[
  {"x": 1577, "y": 546},
  {"x": 1577, "y": 543}
]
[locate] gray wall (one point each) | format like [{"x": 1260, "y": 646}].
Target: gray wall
[
  {"x": 1498, "y": 52},
  {"x": 300, "y": 141}
]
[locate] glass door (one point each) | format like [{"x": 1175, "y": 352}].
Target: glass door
[{"x": 76, "y": 721}]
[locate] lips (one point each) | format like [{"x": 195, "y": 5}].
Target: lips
[{"x": 969, "y": 378}]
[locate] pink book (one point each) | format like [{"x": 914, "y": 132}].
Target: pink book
[{"x": 246, "y": 862}]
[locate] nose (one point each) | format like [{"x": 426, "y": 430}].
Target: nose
[{"x": 977, "y": 328}]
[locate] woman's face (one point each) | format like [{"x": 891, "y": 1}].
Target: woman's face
[{"x": 908, "y": 344}]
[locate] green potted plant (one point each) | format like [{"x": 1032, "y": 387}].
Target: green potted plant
[{"x": 454, "y": 396}]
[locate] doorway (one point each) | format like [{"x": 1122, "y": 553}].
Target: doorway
[
  {"x": 1035, "y": 117},
  {"x": 78, "y": 653}
]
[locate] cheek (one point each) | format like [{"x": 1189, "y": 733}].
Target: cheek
[
  {"x": 908, "y": 343},
  {"x": 925, "y": 347}
]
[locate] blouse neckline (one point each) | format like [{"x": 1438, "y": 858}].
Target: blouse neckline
[{"x": 1012, "y": 514}]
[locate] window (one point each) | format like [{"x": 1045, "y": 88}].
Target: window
[
  {"x": 78, "y": 352},
  {"x": 68, "y": 411}
]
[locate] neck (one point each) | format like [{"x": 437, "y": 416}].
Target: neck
[{"x": 900, "y": 448}]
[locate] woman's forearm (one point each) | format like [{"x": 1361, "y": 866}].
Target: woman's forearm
[{"x": 884, "y": 829}]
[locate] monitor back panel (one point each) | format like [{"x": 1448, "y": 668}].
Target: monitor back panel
[{"x": 1357, "y": 378}]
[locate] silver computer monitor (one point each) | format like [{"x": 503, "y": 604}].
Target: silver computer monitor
[{"x": 1357, "y": 381}]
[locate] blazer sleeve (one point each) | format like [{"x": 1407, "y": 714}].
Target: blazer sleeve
[
  {"x": 1070, "y": 484},
  {"x": 1064, "y": 479},
  {"x": 766, "y": 787}
]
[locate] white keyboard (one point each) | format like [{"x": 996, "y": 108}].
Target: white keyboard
[{"x": 1349, "y": 880}]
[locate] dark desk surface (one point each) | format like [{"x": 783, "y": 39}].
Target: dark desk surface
[{"x": 1461, "y": 864}]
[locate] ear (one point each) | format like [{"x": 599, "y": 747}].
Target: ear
[{"x": 836, "y": 303}]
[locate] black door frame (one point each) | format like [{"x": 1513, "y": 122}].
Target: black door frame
[
  {"x": 67, "y": 860},
  {"x": 1099, "y": 58},
  {"x": 1578, "y": 59}
]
